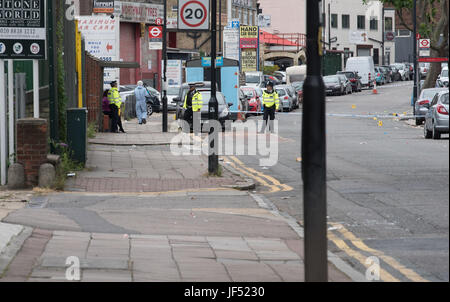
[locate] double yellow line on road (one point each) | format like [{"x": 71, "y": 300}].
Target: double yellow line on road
[
  {"x": 268, "y": 181},
  {"x": 359, "y": 244}
]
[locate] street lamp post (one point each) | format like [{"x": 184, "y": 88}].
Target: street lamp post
[
  {"x": 314, "y": 153},
  {"x": 415, "y": 52},
  {"x": 213, "y": 107},
  {"x": 164, "y": 86}
]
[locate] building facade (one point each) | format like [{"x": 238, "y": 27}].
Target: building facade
[
  {"x": 287, "y": 16},
  {"x": 360, "y": 29},
  {"x": 134, "y": 17}
]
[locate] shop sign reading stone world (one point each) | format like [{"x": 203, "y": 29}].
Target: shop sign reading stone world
[{"x": 22, "y": 29}]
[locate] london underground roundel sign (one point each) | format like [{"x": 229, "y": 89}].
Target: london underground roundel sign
[{"x": 193, "y": 14}]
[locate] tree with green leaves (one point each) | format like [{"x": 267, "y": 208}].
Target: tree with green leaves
[{"x": 432, "y": 23}]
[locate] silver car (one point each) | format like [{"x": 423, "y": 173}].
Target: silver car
[
  {"x": 423, "y": 103},
  {"x": 347, "y": 83},
  {"x": 286, "y": 96},
  {"x": 172, "y": 93},
  {"x": 436, "y": 119}
]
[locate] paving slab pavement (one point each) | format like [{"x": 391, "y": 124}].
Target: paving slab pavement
[{"x": 168, "y": 240}]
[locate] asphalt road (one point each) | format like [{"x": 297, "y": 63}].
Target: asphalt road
[{"x": 388, "y": 187}]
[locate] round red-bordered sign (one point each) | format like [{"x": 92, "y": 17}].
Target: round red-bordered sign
[
  {"x": 424, "y": 43},
  {"x": 205, "y": 14}
]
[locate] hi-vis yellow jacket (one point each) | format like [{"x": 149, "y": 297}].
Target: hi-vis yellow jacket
[
  {"x": 270, "y": 99},
  {"x": 114, "y": 97},
  {"x": 197, "y": 101}
]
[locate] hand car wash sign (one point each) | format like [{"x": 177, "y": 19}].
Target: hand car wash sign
[{"x": 22, "y": 29}]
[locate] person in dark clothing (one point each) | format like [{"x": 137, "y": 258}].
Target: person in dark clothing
[
  {"x": 271, "y": 104},
  {"x": 115, "y": 104},
  {"x": 106, "y": 108},
  {"x": 193, "y": 103}
]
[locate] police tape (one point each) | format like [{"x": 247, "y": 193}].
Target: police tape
[{"x": 393, "y": 115}]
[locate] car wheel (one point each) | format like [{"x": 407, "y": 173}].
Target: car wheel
[
  {"x": 149, "y": 109},
  {"x": 435, "y": 133},
  {"x": 426, "y": 133},
  {"x": 418, "y": 121}
]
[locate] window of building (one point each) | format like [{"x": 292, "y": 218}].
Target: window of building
[
  {"x": 388, "y": 24},
  {"x": 361, "y": 22},
  {"x": 373, "y": 24},
  {"x": 345, "y": 21},
  {"x": 334, "y": 20}
]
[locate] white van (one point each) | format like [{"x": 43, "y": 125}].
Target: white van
[
  {"x": 295, "y": 74},
  {"x": 254, "y": 78},
  {"x": 365, "y": 68}
]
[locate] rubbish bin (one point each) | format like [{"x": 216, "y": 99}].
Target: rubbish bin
[{"x": 77, "y": 133}]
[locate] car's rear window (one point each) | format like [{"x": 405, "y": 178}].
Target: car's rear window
[
  {"x": 444, "y": 99},
  {"x": 429, "y": 93},
  {"x": 281, "y": 92}
]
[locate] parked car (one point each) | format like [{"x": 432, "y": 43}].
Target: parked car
[
  {"x": 347, "y": 83},
  {"x": 403, "y": 71},
  {"x": 224, "y": 111},
  {"x": 423, "y": 103},
  {"x": 286, "y": 97},
  {"x": 253, "y": 100},
  {"x": 436, "y": 119},
  {"x": 270, "y": 78},
  {"x": 172, "y": 93},
  {"x": 298, "y": 86},
  {"x": 364, "y": 67},
  {"x": 153, "y": 102},
  {"x": 442, "y": 80},
  {"x": 421, "y": 85},
  {"x": 387, "y": 73},
  {"x": 254, "y": 78},
  {"x": 281, "y": 76},
  {"x": 333, "y": 85},
  {"x": 410, "y": 68},
  {"x": 379, "y": 76},
  {"x": 396, "y": 76},
  {"x": 423, "y": 69},
  {"x": 184, "y": 88},
  {"x": 354, "y": 79}
]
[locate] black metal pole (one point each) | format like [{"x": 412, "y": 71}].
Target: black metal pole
[
  {"x": 415, "y": 52},
  {"x": 213, "y": 160},
  {"x": 52, "y": 85},
  {"x": 314, "y": 154},
  {"x": 164, "y": 86},
  {"x": 383, "y": 33},
  {"x": 329, "y": 25},
  {"x": 220, "y": 27}
]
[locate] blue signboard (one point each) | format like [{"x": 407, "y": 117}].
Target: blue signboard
[{"x": 206, "y": 61}]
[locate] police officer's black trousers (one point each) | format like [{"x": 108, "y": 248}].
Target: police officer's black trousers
[
  {"x": 269, "y": 112},
  {"x": 114, "y": 117}
]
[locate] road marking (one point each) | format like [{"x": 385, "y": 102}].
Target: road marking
[
  {"x": 274, "y": 181},
  {"x": 408, "y": 273},
  {"x": 384, "y": 275},
  {"x": 273, "y": 188},
  {"x": 284, "y": 187},
  {"x": 138, "y": 194}
]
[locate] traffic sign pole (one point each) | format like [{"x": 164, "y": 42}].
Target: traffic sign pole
[
  {"x": 415, "y": 52},
  {"x": 213, "y": 107}
]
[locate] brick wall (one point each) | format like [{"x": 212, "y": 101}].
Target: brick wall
[
  {"x": 94, "y": 90},
  {"x": 32, "y": 147}
]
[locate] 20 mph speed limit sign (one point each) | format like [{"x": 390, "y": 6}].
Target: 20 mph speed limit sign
[{"x": 193, "y": 14}]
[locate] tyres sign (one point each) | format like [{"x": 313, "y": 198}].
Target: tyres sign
[
  {"x": 193, "y": 14},
  {"x": 249, "y": 36},
  {"x": 22, "y": 29}
]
